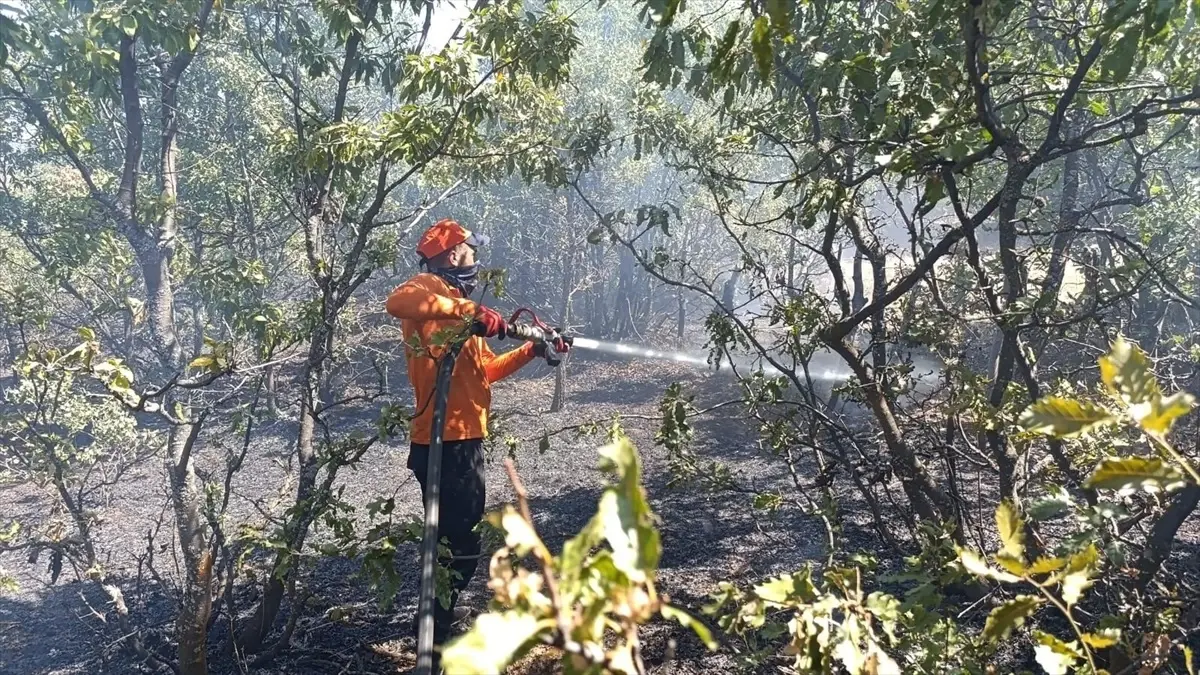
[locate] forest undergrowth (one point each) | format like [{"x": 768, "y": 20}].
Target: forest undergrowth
[{"x": 708, "y": 537}]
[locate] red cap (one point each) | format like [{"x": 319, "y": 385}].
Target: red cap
[{"x": 445, "y": 235}]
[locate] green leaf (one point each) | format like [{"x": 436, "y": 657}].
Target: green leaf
[
  {"x": 625, "y": 514},
  {"x": 1118, "y": 62},
  {"x": 193, "y": 38},
  {"x": 1077, "y": 577},
  {"x": 1102, "y": 639},
  {"x": 975, "y": 564},
  {"x": 202, "y": 362},
  {"x": 491, "y": 644},
  {"x": 686, "y": 620},
  {"x": 1126, "y": 372},
  {"x": 519, "y": 535},
  {"x": 760, "y": 44},
  {"x": 1011, "y": 529},
  {"x": 1063, "y": 418},
  {"x": 1098, "y": 108},
  {"x": 1130, "y": 474},
  {"x": 788, "y": 590},
  {"x": 129, "y": 24},
  {"x": 886, "y": 608},
  {"x": 719, "y": 66},
  {"x": 781, "y": 18},
  {"x": 1009, "y": 616},
  {"x": 1058, "y": 503},
  {"x": 935, "y": 191},
  {"x": 574, "y": 553},
  {"x": 669, "y": 15},
  {"x": 1053, "y": 655}
]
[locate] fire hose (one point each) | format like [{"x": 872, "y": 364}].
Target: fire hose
[{"x": 554, "y": 344}]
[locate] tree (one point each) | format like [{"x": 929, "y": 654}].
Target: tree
[{"x": 355, "y": 114}]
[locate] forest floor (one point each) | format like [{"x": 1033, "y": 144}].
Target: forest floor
[{"x": 707, "y": 538}]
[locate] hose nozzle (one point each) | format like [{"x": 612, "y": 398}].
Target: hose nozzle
[{"x": 550, "y": 341}]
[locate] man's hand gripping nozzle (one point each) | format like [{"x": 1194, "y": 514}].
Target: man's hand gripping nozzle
[{"x": 548, "y": 343}]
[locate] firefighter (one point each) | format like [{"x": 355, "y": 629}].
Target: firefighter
[{"x": 435, "y": 300}]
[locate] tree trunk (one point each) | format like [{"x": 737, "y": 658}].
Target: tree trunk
[
  {"x": 191, "y": 621},
  {"x": 564, "y": 312},
  {"x": 860, "y": 296},
  {"x": 681, "y": 314},
  {"x": 1068, "y": 220},
  {"x": 314, "y": 398},
  {"x": 272, "y": 392},
  {"x": 1008, "y": 350},
  {"x": 929, "y": 502},
  {"x": 1162, "y": 534},
  {"x": 729, "y": 292}
]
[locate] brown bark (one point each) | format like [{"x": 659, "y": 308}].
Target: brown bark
[
  {"x": 1162, "y": 534},
  {"x": 929, "y": 502}
]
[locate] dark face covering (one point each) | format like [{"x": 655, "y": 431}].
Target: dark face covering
[{"x": 462, "y": 278}]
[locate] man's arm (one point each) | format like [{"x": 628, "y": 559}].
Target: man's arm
[
  {"x": 413, "y": 300},
  {"x": 500, "y": 367}
]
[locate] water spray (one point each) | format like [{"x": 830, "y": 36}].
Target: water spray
[{"x": 728, "y": 365}]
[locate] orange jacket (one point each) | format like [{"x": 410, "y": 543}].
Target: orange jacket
[{"x": 425, "y": 305}]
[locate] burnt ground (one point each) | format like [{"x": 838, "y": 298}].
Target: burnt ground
[{"x": 52, "y": 629}]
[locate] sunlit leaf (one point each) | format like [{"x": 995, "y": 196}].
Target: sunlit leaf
[
  {"x": 1009, "y": 616},
  {"x": 1126, "y": 372},
  {"x": 1011, "y": 529},
  {"x": 1056, "y": 504},
  {"x": 1011, "y": 564},
  {"x": 1161, "y": 413},
  {"x": 1130, "y": 474},
  {"x": 129, "y": 24},
  {"x": 787, "y": 590},
  {"x": 1053, "y": 655},
  {"x": 1047, "y": 565},
  {"x": 1063, "y": 418},
  {"x": 1079, "y": 573},
  {"x": 1103, "y": 638},
  {"x": 491, "y": 644},
  {"x": 519, "y": 534},
  {"x": 976, "y": 565},
  {"x": 574, "y": 553}
]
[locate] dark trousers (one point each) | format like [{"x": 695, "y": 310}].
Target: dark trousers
[{"x": 462, "y": 502}]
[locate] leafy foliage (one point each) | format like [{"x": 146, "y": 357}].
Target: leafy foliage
[{"x": 587, "y": 601}]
